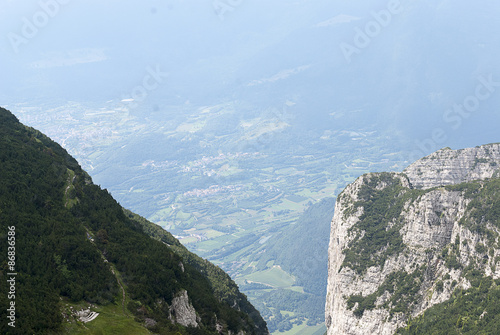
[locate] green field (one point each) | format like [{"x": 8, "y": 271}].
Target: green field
[
  {"x": 304, "y": 329},
  {"x": 274, "y": 276}
]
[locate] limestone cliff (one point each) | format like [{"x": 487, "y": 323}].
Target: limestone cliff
[
  {"x": 182, "y": 312},
  {"x": 403, "y": 242},
  {"x": 451, "y": 167}
]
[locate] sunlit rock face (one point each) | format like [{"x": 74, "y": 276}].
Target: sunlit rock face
[{"x": 420, "y": 234}]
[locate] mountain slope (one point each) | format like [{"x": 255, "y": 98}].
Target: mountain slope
[
  {"x": 397, "y": 250},
  {"x": 224, "y": 288},
  {"x": 74, "y": 244}
]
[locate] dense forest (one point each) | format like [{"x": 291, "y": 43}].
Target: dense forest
[{"x": 69, "y": 236}]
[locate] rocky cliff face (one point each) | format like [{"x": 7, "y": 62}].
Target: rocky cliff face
[
  {"x": 451, "y": 167},
  {"x": 403, "y": 242},
  {"x": 182, "y": 312}
]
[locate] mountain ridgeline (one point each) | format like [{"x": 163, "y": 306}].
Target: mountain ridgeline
[
  {"x": 76, "y": 246},
  {"x": 418, "y": 252}
]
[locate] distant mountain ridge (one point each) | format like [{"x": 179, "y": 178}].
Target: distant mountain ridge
[
  {"x": 418, "y": 252},
  {"x": 75, "y": 246}
]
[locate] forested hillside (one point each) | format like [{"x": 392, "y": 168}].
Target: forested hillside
[
  {"x": 74, "y": 243},
  {"x": 223, "y": 286}
]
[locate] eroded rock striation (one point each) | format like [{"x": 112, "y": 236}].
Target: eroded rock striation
[
  {"x": 403, "y": 242},
  {"x": 451, "y": 167}
]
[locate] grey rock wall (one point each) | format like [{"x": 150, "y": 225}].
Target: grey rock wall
[{"x": 429, "y": 229}]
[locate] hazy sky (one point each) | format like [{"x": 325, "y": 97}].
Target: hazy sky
[{"x": 403, "y": 63}]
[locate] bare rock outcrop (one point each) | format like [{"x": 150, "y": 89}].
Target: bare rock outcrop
[
  {"x": 451, "y": 167},
  {"x": 182, "y": 312},
  {"x": 400, "y": 242}
]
